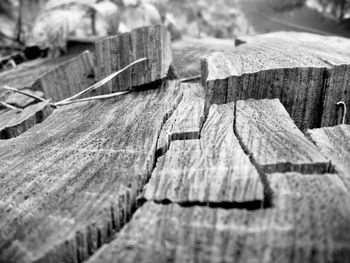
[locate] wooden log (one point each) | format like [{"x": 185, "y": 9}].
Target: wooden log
[
  {"x": 334, "y": 142},
  {"x": 116, "y": 52},
  {"x": 308, "y": 77},
  {"x": 67, "y": 79},
  {"x": 309, "y": 222},
  {"x": 16, "y": 122},
  {"x": 70, "y": 183},
  {"x": 213, "y": 169},
  {"x": 186, "y": 121},
  {"x": 275, "y": 142}
]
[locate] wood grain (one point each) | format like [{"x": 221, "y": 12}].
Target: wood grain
[
  {"x": 186, "y": 121},
  {"x": 293, "y": 67},
  {"x": 67, "y": 79},
  {"x": 334, "y": 142},
  {"x": 22, "y": 101},
  {"x": 116, "y": 52},
  {"x": 213, "y": 169},
  {"x": 275, "y": 142},
  {"x": 310, "y": 222},
  {"x": 16, "y": 122},
  {"x": 70, "y": 183}
]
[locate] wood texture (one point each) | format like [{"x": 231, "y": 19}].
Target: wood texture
[
  {"x": 334, "y": 142},
  {"x": 186, "y": 121},
  {"x": 16, "y": 122},
  {"x": 310, "y": 222},
  {"x": 293, "y": 67},
  {"x": 276, "y": 144},
  {"x": 116, "y": 52},
  {"x": 188, "y": 51},
  {"x": 67, "y": 79},
  {"x": 213, "y": 169},
  {"x": 70, "y": 182},
  {"x": 22, "y": 101}
]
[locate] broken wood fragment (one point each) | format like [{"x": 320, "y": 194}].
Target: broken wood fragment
[
  {"x": 310, "y": 221},
  {"x": 71, "y": 182},
  {"x": 309, "y": 78},
  {"x": 116, "y": 52},
  {"x": 275, "y": 142},
  {"x": 186, "y": 121},
  {"x": 68, "y": 78},
  {"x": 213, "y": 169},
  {"x": 334, "y": 142},
  {"x": 21, "y": 100},
  {"x": 15, "y": 122}
]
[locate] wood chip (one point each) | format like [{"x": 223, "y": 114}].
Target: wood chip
[
  {"x": 70, "y": 183},
  {"x": 213, "y": 169},
  {"x": 116, "y": 52},
  {"x": 67, "y": 79},
  {"x": 186, "y": 121},
  {"x": 15, "y": 122},
  {"x": 310, "y": 222},
  {"x": 275, "y": 142},
  {"x": 292, "y": 67}
]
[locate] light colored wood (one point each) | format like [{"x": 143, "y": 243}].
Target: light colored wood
[
  {"x": 69, "y": 183},
  {"x": 186, "y": 121},
  {"x": 275, "y": 142},
  {"x": 213, "y": 169},
  {"x": 334, "y": 142},
  {"x": 310, "y": 222},
  {"x": 308, "y": 77},
  {"x": 67, "y": 79},
  {"x": 22, "y": 101},
  {"x": 116, "y": 52},
  {"x": 16, "y": 122}
]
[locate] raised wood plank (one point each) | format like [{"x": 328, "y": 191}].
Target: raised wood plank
[
  {"x": 334, "y": 142},
  {"x": 70, "y": 182},
  {"x": 116, "y": 52},
  {"x": 308, "y": 77},
  {"x": 310, "y": 222},
  {"x": 213, "y": 169},
  {"x": 16, "y": 122},
  {"x": 67, "y": 79},
  {"x": 275, "y": 142},
  {"x": 186, "y": 121}
]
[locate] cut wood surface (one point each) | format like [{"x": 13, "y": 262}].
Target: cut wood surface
[
  {"x": 293, "y": 67},
  {"x": 276, "y": 144},
  {"x": 334, "y": 142},
  {"x": 116, "y": 52},
  {"x": 67, "y": 79},
  {"x": 213, "y": 169},
  {"x": 186, "y": 121},
  {"x": 310, "y": 222},
  {"x": 22, "y": 101},
  {"x": 16, "y": 122},
  {"x": 187, "y": 53},
  {"x": 70, "y": 182}
]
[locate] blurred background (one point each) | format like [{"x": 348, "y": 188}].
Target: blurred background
[{"x": 51, "y": 24}]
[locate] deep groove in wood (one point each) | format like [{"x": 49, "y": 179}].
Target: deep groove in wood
[{"x": 268, "y": 193}]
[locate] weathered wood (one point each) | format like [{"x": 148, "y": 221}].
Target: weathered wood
[
  {"x": 334, "y": 142},
  {"x": 213, "y": 169},
  {"x": 116, "y": 52},
  {"x": 22, "y": 101},
  {"x": 187, "y": 53},
  {"x": 16, "y": 122},
  {"x": 186, "y": 121},
  {"x": 67, "y": 79},
  {"x": 308, "y": 77},
  {"x": 309, "y": 223},
  {"x": 275, "y": 142},
  {"x": 70, "y": 182}
]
